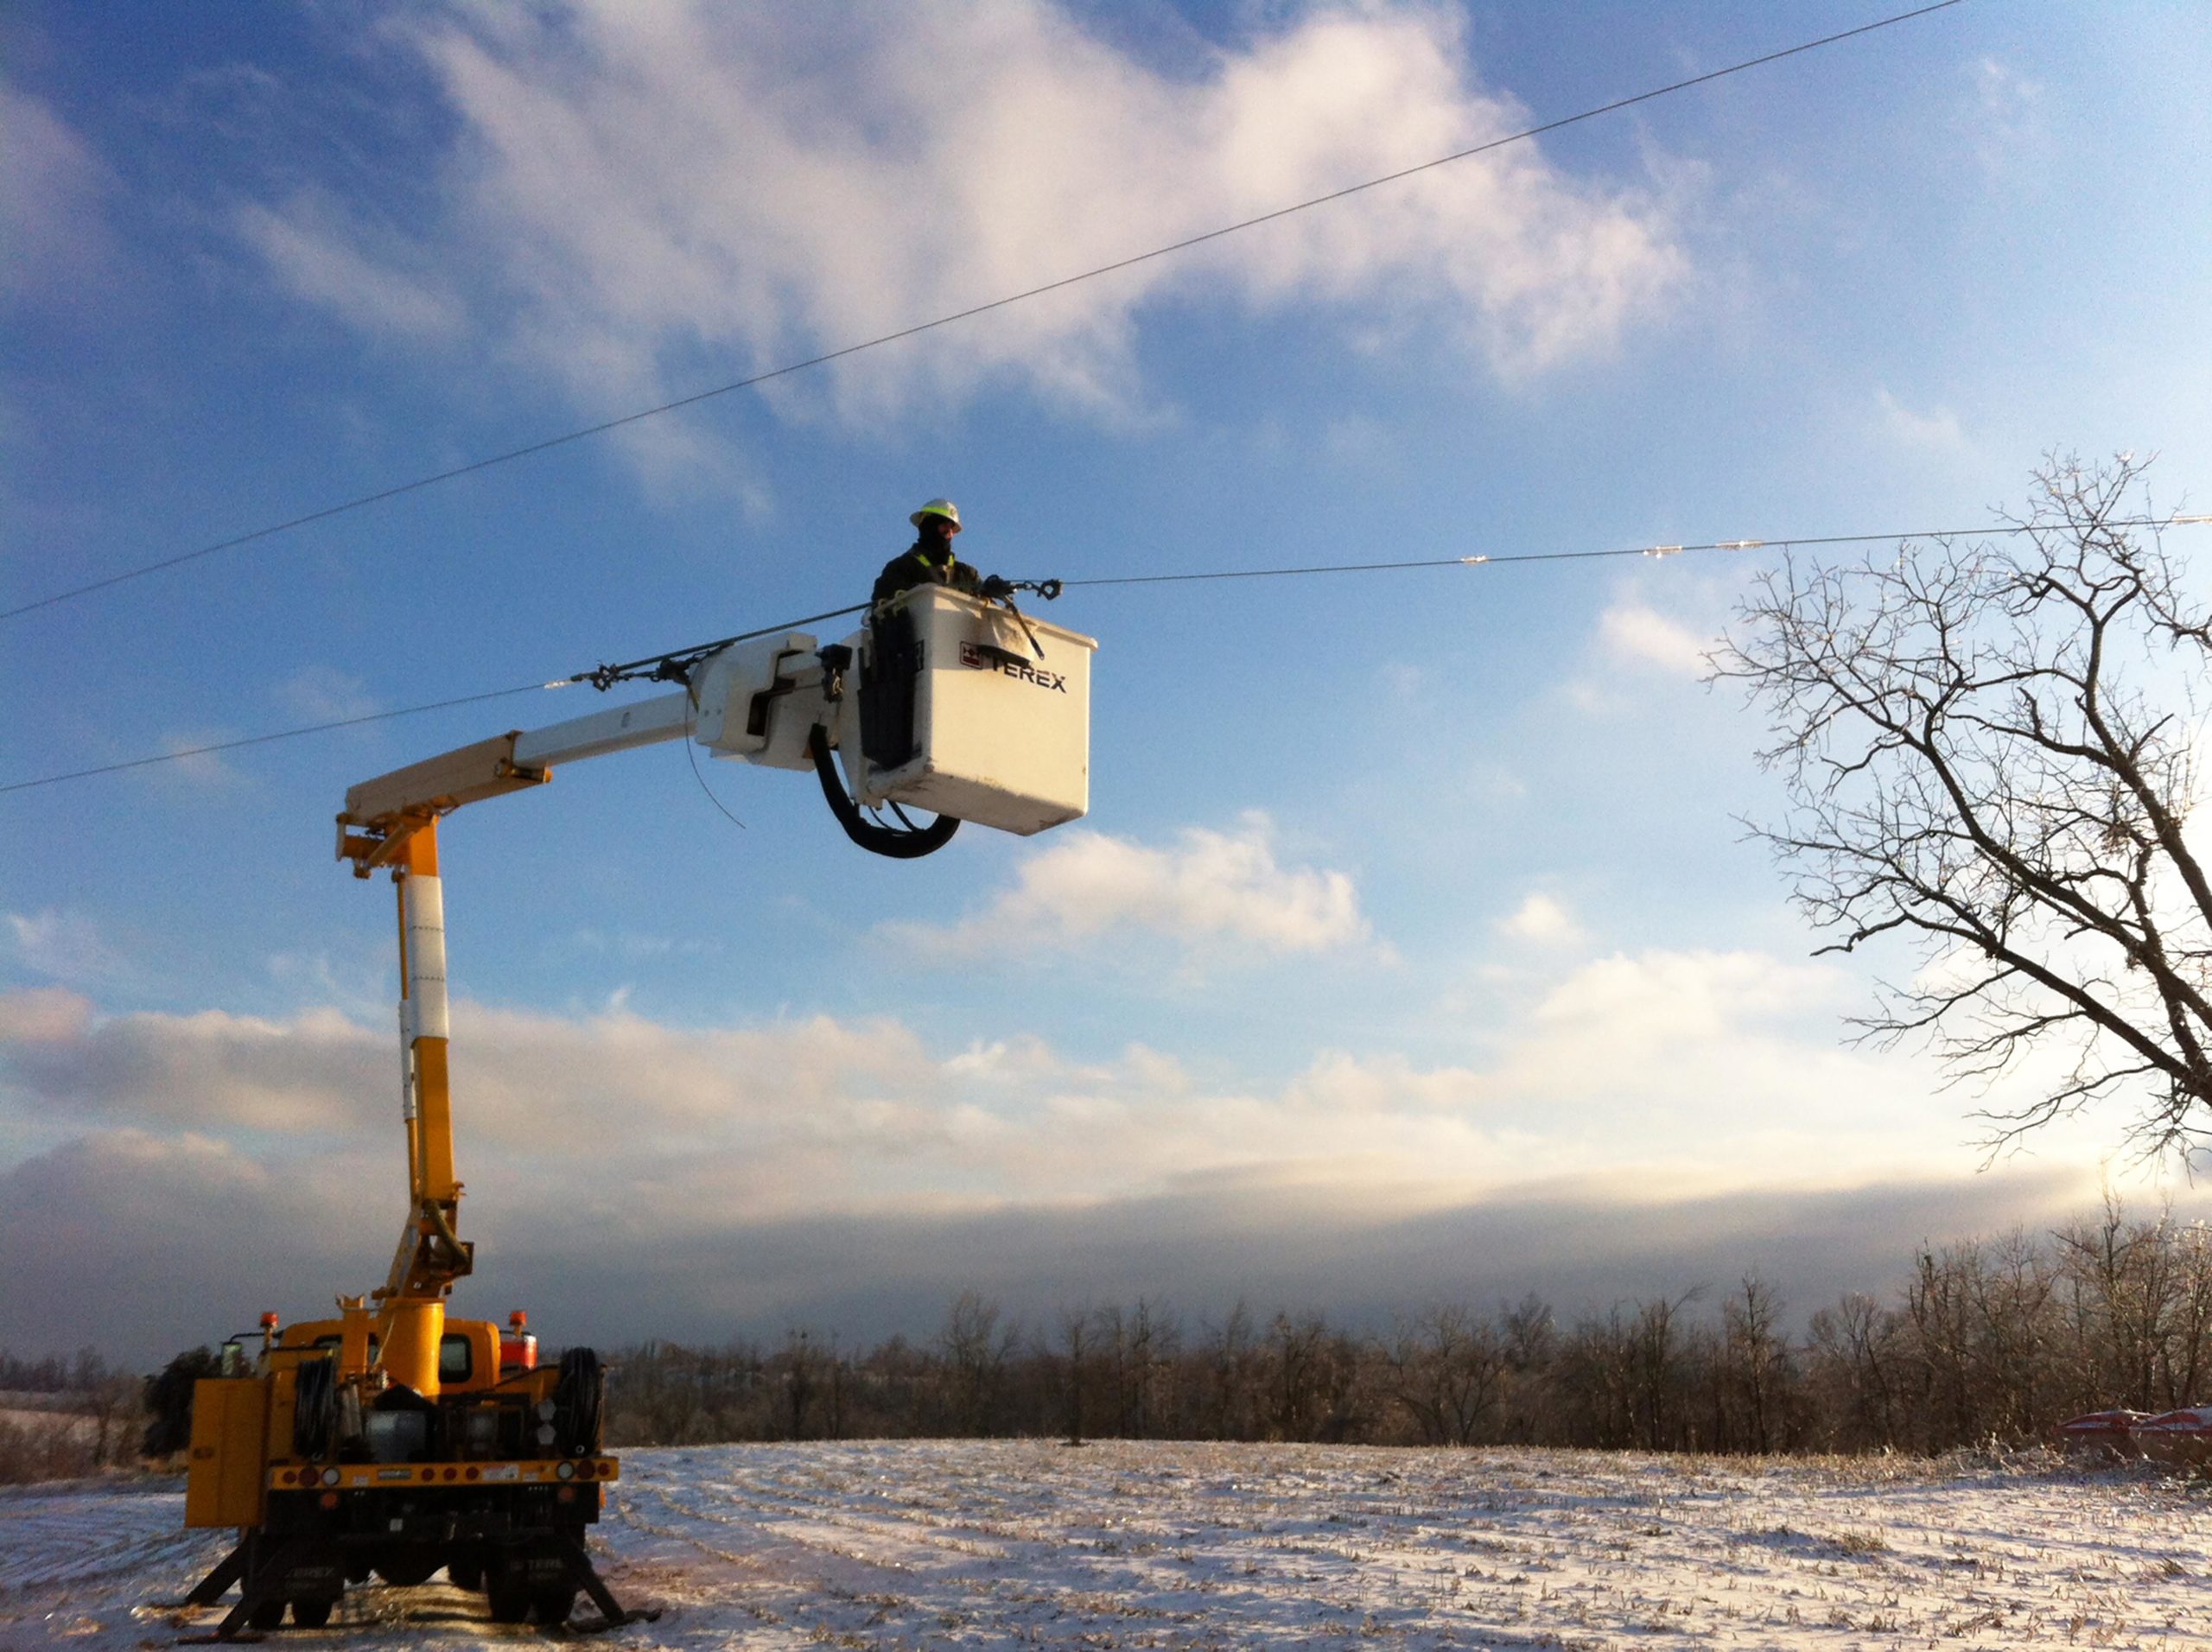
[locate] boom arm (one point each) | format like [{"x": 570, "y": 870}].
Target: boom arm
[{"x": 945, "y": 716}]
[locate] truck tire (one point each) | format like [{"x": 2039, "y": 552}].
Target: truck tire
[
  {"x": 551, "y": 1607},
  {"x": 266, "y": 1615},
  {"x": 509, "y": 1598},
  {"x": 407, "y": 1571},
  {"x": 312, "y": 1614},
  {"x": 466, "y": 1574},
  {"x": 576, "y": 1403},
  {"x": 314, "y": 1409}
]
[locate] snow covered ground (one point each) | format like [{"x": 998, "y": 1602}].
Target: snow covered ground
[{"x": 1115, "y": 1544}]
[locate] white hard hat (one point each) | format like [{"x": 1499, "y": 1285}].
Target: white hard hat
[{"x": 945, "y": 508}]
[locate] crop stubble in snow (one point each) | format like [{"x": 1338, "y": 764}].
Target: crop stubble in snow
[{"x": 1121, "y": 1545}]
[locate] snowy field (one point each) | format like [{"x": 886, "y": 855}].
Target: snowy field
[{"x": 1118, "y": 1545}]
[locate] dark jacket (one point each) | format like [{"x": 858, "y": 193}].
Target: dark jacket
[{"x": 923, "y": 563}]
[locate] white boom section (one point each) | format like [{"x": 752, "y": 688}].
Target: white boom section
[
  {"x": 615, "y": 729},
  {"x": 717, "y": 710},
  {"x": 424, "y": 911}
]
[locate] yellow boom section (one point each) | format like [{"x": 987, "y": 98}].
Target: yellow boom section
[
  {"x": 392, "y": 821},
  {"x": 384, "y": 812}
]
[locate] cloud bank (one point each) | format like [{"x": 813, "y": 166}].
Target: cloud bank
[{"x": 1649, "y": 1111}]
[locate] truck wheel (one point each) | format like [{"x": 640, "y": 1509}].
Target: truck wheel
[
  {"x": 509, "y": 1599},
  {"x": 265, "y": 1614},
  {"x": 551, "y": 1607},
  {"x": 312, "y": 1614},
  {"x": 466, "y": 1574}
]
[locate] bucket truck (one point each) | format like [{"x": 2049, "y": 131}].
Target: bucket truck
[{"x": 397, "y": 1439}]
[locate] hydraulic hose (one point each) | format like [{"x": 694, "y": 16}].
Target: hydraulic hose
[
  {"x": 457, "y": 1258},
  {"x": 869, "y": 835}
]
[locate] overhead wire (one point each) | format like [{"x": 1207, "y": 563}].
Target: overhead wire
[
  {"x": 655, "y": 667},
  {"x": 282, "y": 734},
  {"x": 605, "y": 425},
  {"x": 602, "y": 676},
  {"x": 631, "y": 671},
  {"x": 1592, "y": 556}
]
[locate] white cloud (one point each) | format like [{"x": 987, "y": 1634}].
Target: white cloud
[
  {"x": 1936, "y": 431},
  {"x": 655, "y": 1127},
  {"x": 193, "y": 762},
  {"x": 51, "y": 190},
  {"x": 211, "y": 1071},
  {"x": 307, "y": 246},
  {"x": 1631, "y": 631},
  {"x": 43, "y": 1015},
  {"x": 2004, "y": 120},
  {"x": 1691, "y": 1049},
  {"x": 1209, "y": 888},
  {"x": 670, "y": 1128},
  {"x": 61, "y": 945},
  {"x": 1542, "y": 920},
  {"x": 644, "y": 191},
  {"x": 320, "y": 693},
  {"x": 1653, "y": 998}
]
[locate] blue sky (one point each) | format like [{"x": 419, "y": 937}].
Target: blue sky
[{"x": 1411, "y": 947}]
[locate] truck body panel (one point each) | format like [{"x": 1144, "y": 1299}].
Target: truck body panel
[{"x": 225, "y": 1481}]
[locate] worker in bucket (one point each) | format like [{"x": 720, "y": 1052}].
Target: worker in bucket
[{"x": 930, "y": 561}]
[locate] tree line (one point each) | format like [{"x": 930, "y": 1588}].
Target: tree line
[
  {"x": 61, "y": 1418},
  {"x": 1988, "y": 1340}
]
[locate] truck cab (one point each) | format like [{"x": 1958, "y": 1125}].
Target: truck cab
[{"x": 470, "y": 1357}]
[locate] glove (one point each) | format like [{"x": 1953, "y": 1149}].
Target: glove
[{"x": 997, "y": 589}]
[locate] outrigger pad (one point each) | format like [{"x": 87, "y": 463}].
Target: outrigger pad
[
  {"x": 649, "y": 1615},
  {"x": 258, "y": 1579},
  {"x": 586, "y": 1575}
]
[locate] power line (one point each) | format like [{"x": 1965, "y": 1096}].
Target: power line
[
  {"x": 693, "y": 400},
  {"x": 1483, "y": 560},
  {"x": 604, "y": 677},
  {"x": 284, "y": 734},
  {"x": 1592, "y": 555}
]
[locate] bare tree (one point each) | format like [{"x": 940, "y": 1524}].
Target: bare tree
[
  {"x": 1142, "y": 1345},
  {"x": 2141, "y": 1297},
  {"x": 1989, "y": 744},
  {"x": 1939, "y": 1321},
  {"x": 1076, "y": 1329},
  {"x": 799, "y": 1362},
  {"x": 1447, "y": 1368},
  {"x": 976, "y": 1349},
  {"x": 1229, "y": 1407},
  {"x": 1757, "y": 1360},
  {"x": 1856, "y": 1358}
]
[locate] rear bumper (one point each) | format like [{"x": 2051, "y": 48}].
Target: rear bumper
[{"x": 425, "y": 1514}]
